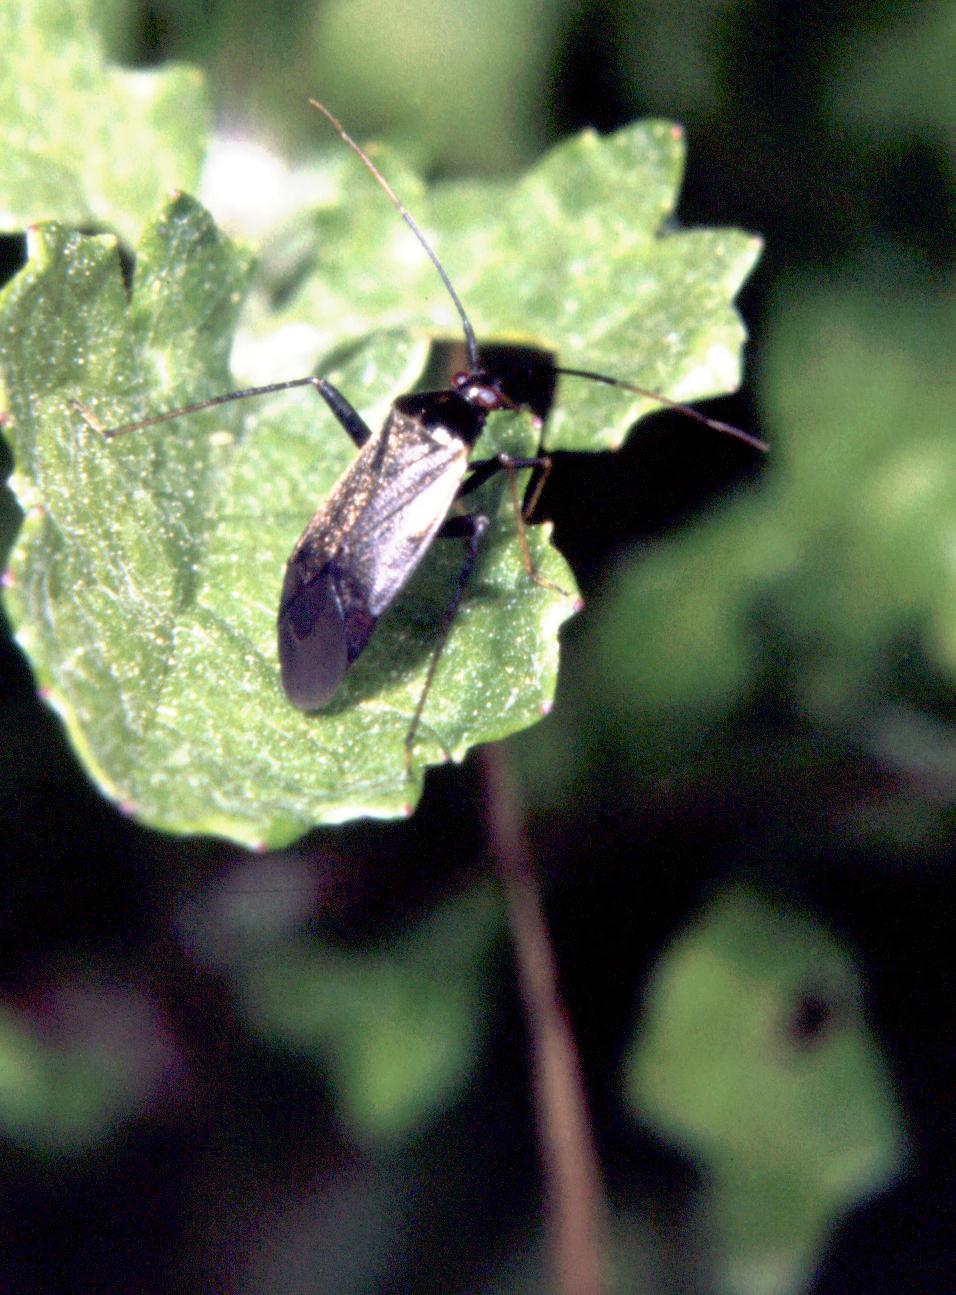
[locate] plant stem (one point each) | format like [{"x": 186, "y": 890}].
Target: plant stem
[{"x": 572, "y": 1178}]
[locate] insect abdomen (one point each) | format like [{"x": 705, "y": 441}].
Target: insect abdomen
[{"x": 360, "y": 549}]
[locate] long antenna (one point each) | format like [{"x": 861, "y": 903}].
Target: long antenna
[
  {"x": 470, "y": 339},
  {"x": 714, "y": 424},
  {"x": 738, "y": 433}
]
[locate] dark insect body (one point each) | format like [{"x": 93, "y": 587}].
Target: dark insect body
[
  {"x": 365, "y": 541},
  {"x": 359, "y": 550}
]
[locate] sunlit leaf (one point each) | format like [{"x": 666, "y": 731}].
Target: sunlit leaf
[
  {"x": 82, "y": 141},
  {"x": 145, "y": 582}
]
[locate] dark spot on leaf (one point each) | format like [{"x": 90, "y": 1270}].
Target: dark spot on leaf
[{"x": 811, "y": 1019}]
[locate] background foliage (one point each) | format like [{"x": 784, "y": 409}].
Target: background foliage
[{"x": 206, "y": 1066}]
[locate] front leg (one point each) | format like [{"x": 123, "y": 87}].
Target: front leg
[
  {"x": 348, "y": 417},
  {"x": 485, "y": 469},
  {"x": 481, "y": 472}
]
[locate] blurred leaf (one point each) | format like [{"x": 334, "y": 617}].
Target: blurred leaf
[
  {"x": 90, "y": 1059},
  {"x": 854, "y": 380},
  {"x": 754, "y": 1056},
  {"x": 834, "y": 582},
  {"x": 668, "y": 52},
  {"x": 676, "y": 626},
  {"x": 81, "y": 141},
  {"x": 144, "y": 581},
  {"x": 901, "y": 77},
  {"x": 468, "y": 84},
  {"x": 398, "y": 1028},
  {"x": 348, "y": 1236}
]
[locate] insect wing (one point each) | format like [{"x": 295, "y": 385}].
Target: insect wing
[
  {"x": 417, "y": 479},
  {"x": 359, "y": 550},
  {"x": 313, "y": 648}
]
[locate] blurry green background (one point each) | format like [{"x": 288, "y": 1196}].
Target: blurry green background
[{"x": 308, "y": 1071}]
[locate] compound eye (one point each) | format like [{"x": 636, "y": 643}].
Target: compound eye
[
  {"x": 482, "y": 390},
  {"x": 484, "y": 397}
]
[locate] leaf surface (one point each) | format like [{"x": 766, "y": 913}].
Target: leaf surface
[
  {"x": 145, "y": 581},
  {"x": 82, "y": 141}
]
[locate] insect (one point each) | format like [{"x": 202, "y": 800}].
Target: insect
[{"x": 365, "y": 541}]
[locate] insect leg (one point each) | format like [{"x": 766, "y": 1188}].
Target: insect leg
[
  {"x": 347, "y": 415},
  {"x": 470, "y": 527},
  {"x": 349, "y": 418},
  {"x": 483, "y": 471}
]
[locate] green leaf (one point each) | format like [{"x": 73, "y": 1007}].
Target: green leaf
[
  {"x": 876, "y": 91},
  {"x": 835, "y": 583},
  {"x": 98, "y": 1056},
  {"x": 576, "y": 257},
  {"x": 871, "y": 577},
  {"x": 145, "y": 581},
  {"x": 755, "y": 1056},
  {"x": 81, "y": 141},
  {"x": 399, "y": 1028},
  {"x": 488, "y": 72}
]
